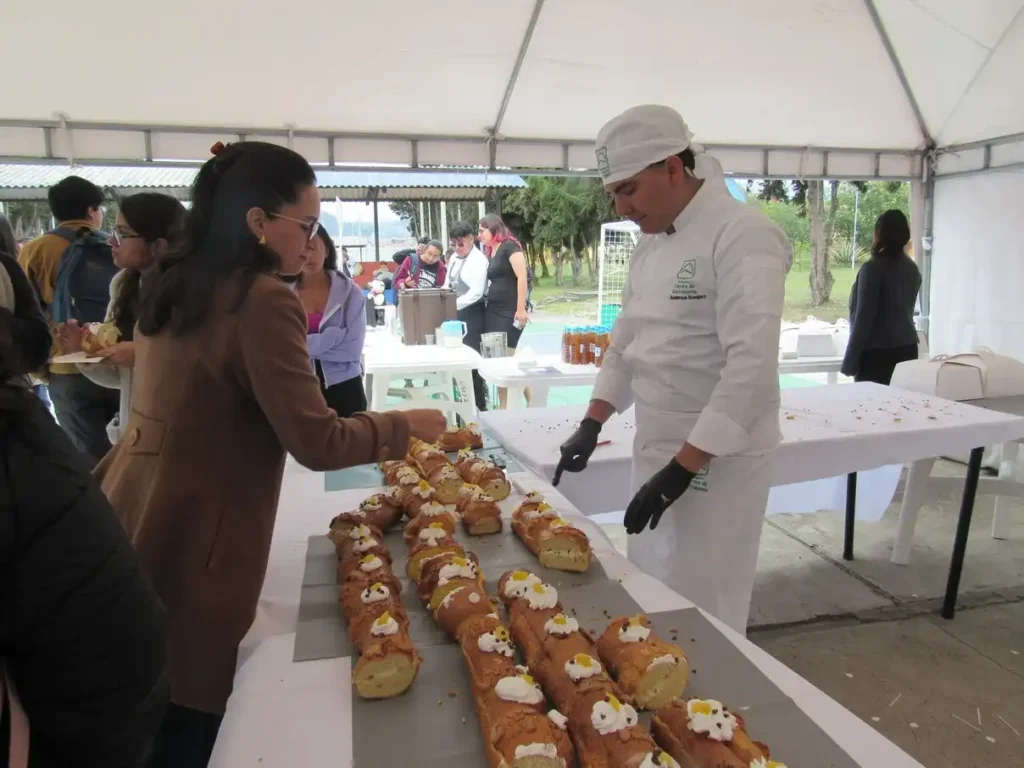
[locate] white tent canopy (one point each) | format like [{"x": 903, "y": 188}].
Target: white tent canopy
[{"x": 837, "y": 88}]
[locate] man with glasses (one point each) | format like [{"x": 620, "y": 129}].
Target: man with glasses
[
  {"x": 83, "y": 408},
  {"x": 467, "y": 276}
]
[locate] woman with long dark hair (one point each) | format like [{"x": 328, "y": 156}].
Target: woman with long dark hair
[
  {"x": 146, "y": 228},
  {"x": 508, "y": 286},
  {"x": 882, "y": 332},
  {"x": 336, "y": 326},
  {"x": 223, "y": 391}
]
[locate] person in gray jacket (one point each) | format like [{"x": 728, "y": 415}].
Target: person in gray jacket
[{"x": 882, "y": 332}]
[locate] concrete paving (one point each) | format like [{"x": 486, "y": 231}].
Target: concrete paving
[{"x": 912, "y": 678}]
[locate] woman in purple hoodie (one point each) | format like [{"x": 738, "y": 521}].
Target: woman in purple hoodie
[{"x": 336, "y": 313}]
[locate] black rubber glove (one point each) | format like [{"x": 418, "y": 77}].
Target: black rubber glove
[
  {"x": 657, "y": 495},
  {"x": 576, "y": 451}
]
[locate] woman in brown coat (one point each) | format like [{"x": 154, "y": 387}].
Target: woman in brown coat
[{"x": 223, "y": 390}]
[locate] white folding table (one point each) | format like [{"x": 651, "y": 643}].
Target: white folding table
[
  {"x": 386, "y": 358},
  {"x": 283, "y": 713},
  {"x": 829, "y": 435},
  {"x": 549, "y": 371}
]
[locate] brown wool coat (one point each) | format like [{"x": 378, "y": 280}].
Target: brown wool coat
[{"x": 196, "y": 478}]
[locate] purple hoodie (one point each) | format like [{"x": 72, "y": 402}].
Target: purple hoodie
[{"x": 339, "y": 344}]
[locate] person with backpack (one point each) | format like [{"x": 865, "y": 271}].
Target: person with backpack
[
  {"x": 71, "y": 268},
  {"x": 422, "y": 270}
]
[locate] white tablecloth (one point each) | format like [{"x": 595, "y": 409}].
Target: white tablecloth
[
  {"x": 828, "y": 432},
  {"x": 284, "y": 714}
]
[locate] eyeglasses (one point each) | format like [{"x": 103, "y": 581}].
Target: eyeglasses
[
  {"x": 311, "y": 227},
  {"x": 120, "y": 237}
]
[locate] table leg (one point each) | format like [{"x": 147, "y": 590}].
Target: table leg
[
  {"x": 540, "y": 396},
  {"x": 368, "y": 389},
  {"x": 851, "y": 515},
  {"x": 913, "y": 499},
  {"x": 514, "y": 400},
  {"x": 963, "y": 530},
  {"x": 1001, "y": 517},
  {"x": 833, "y": 377},
  {"x": 379, "y": 392}
]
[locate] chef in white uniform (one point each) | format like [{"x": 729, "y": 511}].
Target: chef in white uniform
[{"x": 695, "y": 349}]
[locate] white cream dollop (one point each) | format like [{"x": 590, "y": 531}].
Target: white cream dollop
[
  {"x": 542, "y": 597},
  {"x": 433, "y": 535},
  {"x": 424, "y": 491},
  {"x": 709, "y": 717},
  {"x": 499, "y": 641},
  {"x": 370, "y": 563},
  {"x": 384, "y": 626},
  {"x": 581, "y": 667},
  {"x": 375, "y": 593},
  {"x": 561, "y": 721},
  {"x": 561, "y": 625},
  {"x": 659, "y": 759},
  {"x": 536, "y": 750},
  {"x": 371, "y": 504},
  {"x": 360, "y": 531},
  {"x": 458, "y": 568},
  {"x": 448, "y": 472},
  {"x": 521, "y": 689},
  {"x": 533, "y": 497},
  {"x": 519, "y": 583},
  {"x": 432, "y": 509},
  {"x": 364, "y": 545},
  {"x": 634, "y": 632},
  {"x": 764, "y": 762},
  {"x": 611, "y": 716},
  {"x": 668, "y": 660}
]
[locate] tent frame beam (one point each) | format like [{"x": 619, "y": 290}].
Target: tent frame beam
[
  {"x": 565, "y": 157},
  {"x": 894, "y": 59},
  {"x": 524, "y": 46}
]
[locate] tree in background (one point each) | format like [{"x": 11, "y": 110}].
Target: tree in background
[
  {"x": 455, "y": 210},
  {"x": 563, "y": 215}
]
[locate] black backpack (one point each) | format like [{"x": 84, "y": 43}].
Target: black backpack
[{"x": 87, "y": 266}]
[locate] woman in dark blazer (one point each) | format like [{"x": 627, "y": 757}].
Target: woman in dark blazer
[{"x": 882, "y": 332}]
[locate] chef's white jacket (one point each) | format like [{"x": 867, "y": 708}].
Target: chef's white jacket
[{"x": 698, "y": 334}]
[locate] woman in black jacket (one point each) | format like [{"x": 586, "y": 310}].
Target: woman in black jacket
[
  {"x": 882, "y": 332},
  {"x": 83, "y": 636},
  {"x": 25, "y": 321}
]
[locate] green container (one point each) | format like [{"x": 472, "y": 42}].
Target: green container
[{"x": 609, "y": 312}]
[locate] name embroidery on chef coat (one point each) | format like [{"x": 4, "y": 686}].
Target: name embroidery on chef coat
[
  {"x": 700, "y": 482},
  {"x": 685, "y": 288}
]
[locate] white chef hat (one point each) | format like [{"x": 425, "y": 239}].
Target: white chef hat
[{"x": 640, "y": 137}]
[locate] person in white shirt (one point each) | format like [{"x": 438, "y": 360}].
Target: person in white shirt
[
  {"x": 695, "y": 349},
  {"x": 467, "y": 276}
]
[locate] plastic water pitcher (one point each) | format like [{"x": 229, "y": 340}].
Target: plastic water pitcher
[{"x": 453, "y": 332}]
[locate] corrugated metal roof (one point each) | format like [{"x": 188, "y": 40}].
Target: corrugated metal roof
[{"x": 27, "y": 177}]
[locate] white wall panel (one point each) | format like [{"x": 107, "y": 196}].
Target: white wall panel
[{"x": 977, "y": 290}]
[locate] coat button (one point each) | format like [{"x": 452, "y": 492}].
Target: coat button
[{"x": 133, "y": 438}]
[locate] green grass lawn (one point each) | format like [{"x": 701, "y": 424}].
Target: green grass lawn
[{"x": 554, "y": 299}]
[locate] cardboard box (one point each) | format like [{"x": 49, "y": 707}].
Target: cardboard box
[{"x": 422, "y": 310}]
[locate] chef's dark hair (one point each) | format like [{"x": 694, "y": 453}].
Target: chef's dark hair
[
  {"x": 686, "y": 157},
  {"x": 892, "y": 233}
]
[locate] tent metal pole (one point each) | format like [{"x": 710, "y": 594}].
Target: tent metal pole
[
  {"x": 927, "y": 228},
  {"x": 376, "y": 232},
  {"x": 444, "y": 224},
  {"x": 895, "y": 60},
  {"x": 520, "y": 58},
  {"x": 481, "y": 208}
]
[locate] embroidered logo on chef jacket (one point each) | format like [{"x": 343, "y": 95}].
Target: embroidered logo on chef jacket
[
  {"x": 602, "y": 162},
  {"x": 700, "y": 482},
  {"x": 686, "y": 289}
]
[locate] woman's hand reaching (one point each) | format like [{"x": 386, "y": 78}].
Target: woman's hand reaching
[{"x": 426, "y": 424}]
